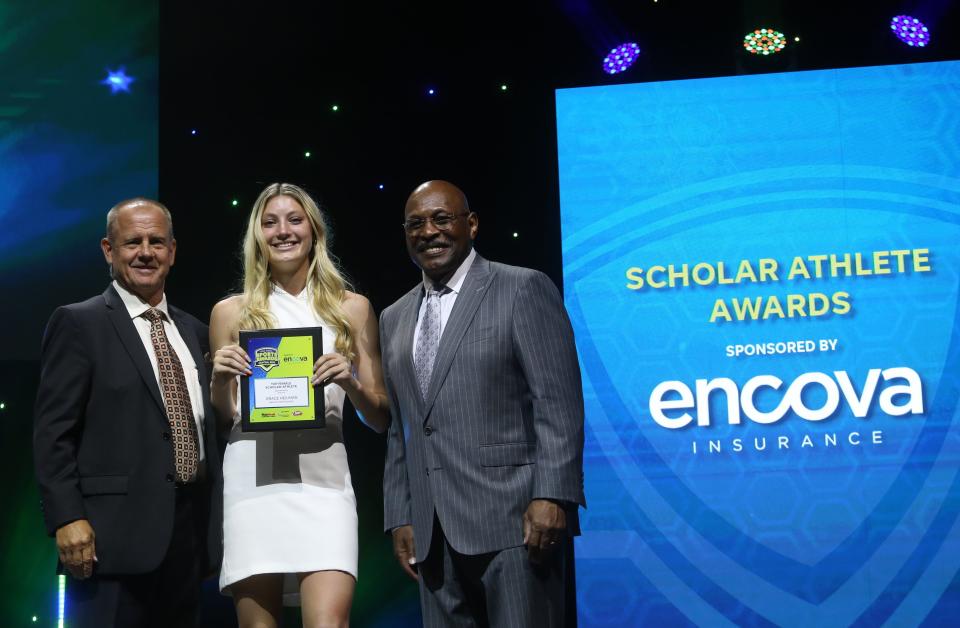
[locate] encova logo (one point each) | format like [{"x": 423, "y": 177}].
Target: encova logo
[{"x": 902, "y": 394}]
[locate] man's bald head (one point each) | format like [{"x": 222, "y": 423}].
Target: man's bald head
[
  {"x": 131, "y": 203},
  {"x": 441, "y": 193}
]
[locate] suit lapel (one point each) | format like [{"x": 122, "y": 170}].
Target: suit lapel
[
  {"x": 405, "y": 329},
  {"x": 187, "y": 333},
  {"x": 131, "y": 341},
  {"x": 475, "y": 285},
  {"x": 190, "y": 339}
]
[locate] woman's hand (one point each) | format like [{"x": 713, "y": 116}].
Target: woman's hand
[
  {"x": 333, "y": 368},
  {"x": 228, "y": 362}
]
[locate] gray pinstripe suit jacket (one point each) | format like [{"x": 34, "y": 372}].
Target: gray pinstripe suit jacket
[{"x": 503, "y": 419}]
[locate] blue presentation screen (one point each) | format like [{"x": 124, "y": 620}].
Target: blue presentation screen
[{"x": 762, "y": 274}]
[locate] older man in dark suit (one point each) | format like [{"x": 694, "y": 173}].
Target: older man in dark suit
[
  {"x": 125, "y": 442},
  {"x": 483, "y": 474}
]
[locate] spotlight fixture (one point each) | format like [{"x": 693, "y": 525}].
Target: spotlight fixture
[
  {"x": 910, "y": 31},
  {"x": 621, "y": 58},
  {"x": 764, "y": 41}
]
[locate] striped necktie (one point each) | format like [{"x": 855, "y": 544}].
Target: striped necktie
[{"x": 428, "y": 339}]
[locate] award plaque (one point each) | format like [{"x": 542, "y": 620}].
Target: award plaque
[{"x": 278, "y": 395}]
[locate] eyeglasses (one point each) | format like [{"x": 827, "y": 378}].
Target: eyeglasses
[{"x": 442, "y": 222}]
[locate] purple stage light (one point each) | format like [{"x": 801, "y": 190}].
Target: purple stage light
[
  {"x": 910, "y": 31},
  {"x": 118, "y": 81},
  {"x": 621, "y": 58}
]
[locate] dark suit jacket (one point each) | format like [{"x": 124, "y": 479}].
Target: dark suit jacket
[
  {"x": 101, "y": 440},
  {"x": 502, "y": 422}
]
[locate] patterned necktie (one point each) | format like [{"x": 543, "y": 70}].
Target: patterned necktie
[
  {"x": 428, "y": 339},
  {"x": 176, "y": 398}
]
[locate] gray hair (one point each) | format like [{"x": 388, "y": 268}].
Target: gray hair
[{"x": 137, "y": 200}]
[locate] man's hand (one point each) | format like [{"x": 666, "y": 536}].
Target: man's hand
[
  {"x": 75, "y": 543},
  {"x": 404, "y": 551},
  {"x": 544, "y": 525}
]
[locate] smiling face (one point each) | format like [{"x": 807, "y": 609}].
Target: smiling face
[
  {"x": 140, "y": 249},
  {"x": 287, "y": 233},
  {"x": 439, "y": 252}
]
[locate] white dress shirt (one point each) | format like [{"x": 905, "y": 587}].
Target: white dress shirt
[
  {"x": 136, "y": 307},
  {"x": 447, "y": 298}
]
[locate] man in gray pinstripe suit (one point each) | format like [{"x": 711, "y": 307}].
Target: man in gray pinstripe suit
[{"x": 483, "y": 474}]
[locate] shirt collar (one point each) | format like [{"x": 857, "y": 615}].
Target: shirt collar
[
  {"x": 303, "y": 295},
  {"x": 456, "y": 281},
  {"x": 137, "y": 306}
]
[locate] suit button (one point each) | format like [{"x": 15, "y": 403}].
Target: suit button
[
  {"x": 427, "y": 469},
  {"x": 428, "y": 430},
  {"x": 166, "y": 436},
  {"x": 169, "y": 477}
]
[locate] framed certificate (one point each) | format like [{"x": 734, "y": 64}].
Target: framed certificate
[{"x": 278, "y": 395}]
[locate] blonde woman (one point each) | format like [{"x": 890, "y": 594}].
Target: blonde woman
[{"x": 290, "y": 519}]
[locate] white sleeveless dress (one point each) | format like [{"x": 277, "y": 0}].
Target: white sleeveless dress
[{"x": 288, "y": 503}]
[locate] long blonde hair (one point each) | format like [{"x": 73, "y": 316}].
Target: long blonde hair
[{"x": 325, "y": 281}]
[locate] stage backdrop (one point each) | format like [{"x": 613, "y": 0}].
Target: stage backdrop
[
  {"x": 71, "y": 145},
  {"x": 762, "y": 273}
]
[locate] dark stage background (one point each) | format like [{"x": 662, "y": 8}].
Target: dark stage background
[{"x": 229, "y": 97}]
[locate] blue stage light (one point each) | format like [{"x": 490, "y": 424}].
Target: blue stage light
[
  {"x": 431, "y": 91},
  {"x": 621, "y": 58},
  {"x": 118, "y": 81},
  {"x": 380, "y": 187},
  {"x": 61, "y": 599},
  {"x": 910, "y": 31}
]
